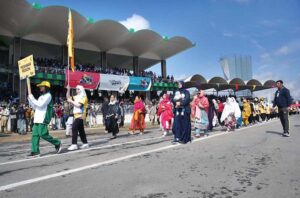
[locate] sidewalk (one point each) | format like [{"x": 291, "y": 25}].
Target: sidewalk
[{"x": 61, "y": 134}]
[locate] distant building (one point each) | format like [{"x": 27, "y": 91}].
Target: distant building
[{"x": 237, "y": 66}]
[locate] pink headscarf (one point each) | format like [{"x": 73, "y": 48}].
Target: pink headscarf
[
  {"x": 138, "y": 105},
  {"x": 200, "y": 99}
]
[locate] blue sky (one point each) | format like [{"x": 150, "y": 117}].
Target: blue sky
[{"x": 268, "y": 30}]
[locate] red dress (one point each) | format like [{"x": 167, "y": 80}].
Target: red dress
[{"x": 166, "y": 113}]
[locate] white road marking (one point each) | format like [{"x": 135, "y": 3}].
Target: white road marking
[
  {"x": 79, "y": 151},
  {"x": 63, "y": 142},
  {"x": 46, "y": 177},
  {"x": 107, "y": 146}
]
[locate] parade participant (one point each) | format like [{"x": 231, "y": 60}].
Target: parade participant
[
  {"x": 182, "y": 120},
  {"x": 13, "y": 119},
  {"x": 220, "y": 111},
  {"x": 152, "y": 112},
  {"x": 112, "y": 116},
  {"x": 246, "y": 112},
  {"x": 43, "y": 113},
  {"x": 262, "y": 109},
  {"x": 251, "y": 118},
  {"x": 166, "y": 114},
  {"x": 200, "y": 107},
  {"x": 230, "y": 114},
  {"x": 210, "y": 114},
  {"x": 4, "y": 119},
  {"x": 21, "y": 120},
  {"x": 138, "y": 118},
  {"x": 122, "y": 114},
  {"x": 28, "y": 118},
  {"x": 283, "y": 100},
  {"x": 238, "y": 113},
  {"x": 79, "y": 103},
  {"x": 104, "y": 112},
  {"x": 255, "y": 111}
]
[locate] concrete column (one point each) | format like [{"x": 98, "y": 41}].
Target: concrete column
[
  {"x": 136, "y": 68},
  {"x": 103, "y": 59},
  {"x": 163, "y": 64},
  {"x": 21, "y": 85}
]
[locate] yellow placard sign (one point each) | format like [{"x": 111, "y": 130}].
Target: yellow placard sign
[{"x": 26, "y": 67}]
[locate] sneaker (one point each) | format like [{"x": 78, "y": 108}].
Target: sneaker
[
  {"x": 175, "y": 141},
  {"x": 73, "y": 147},
  {"x": 32, "y": 154},
  {"x": 84, "y": 146},
  {"x": 58, "y": 148},
  {"x": 286, "y": 134},
  {"x": 165, "y": 134}
]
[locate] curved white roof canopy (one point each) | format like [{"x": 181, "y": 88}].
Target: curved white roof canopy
[{"x": 50, "y": 25}]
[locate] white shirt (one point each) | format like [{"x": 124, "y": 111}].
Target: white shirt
[{"x": 40, "y": 106}]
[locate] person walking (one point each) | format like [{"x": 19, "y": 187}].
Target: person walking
[
  {"x": 283, "y": 100},
  {"x": 230, "y": 114},
  {"x": 122, "y": 114},
  {"x": 165, "y": 111},
  {"x": 138, "y": 117},
  {"x": 200, "y": 106},
  {"x": 43, "y": 107},
  {"x": 112, "y": 117},
  {"x": 79, "y": 103},
  {"x": 246, "y": 112},
  {"x": 182, "y": 119}
]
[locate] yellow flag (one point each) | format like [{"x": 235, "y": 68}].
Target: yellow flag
[{"x": 70, "y": 42}]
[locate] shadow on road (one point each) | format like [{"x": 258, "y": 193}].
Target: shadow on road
[
  {"x": 297, "y": 125},
  {"x": 274, "y": 132}
]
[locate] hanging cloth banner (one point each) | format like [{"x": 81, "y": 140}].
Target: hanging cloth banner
[
  {"x": 88, "y": 80},
  {"x": 139, "y": 83},
  {"x": 113, "y": 82},
  {"x": 236, "y": 87}
]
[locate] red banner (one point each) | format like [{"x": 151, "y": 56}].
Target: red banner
[{"x": 88, "y": 80}]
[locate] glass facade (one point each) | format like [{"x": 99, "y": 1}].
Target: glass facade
[{"x": 237, "y": 66}]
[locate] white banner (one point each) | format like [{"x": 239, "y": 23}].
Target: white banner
[{"x": 113, "y": 82}]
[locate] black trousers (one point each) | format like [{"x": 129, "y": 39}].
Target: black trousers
[
  {"x": 284, "y": 119},
  {"x": 263, "y": 116},
  {"x": 78, "y": 128}
]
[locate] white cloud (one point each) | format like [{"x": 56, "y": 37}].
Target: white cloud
[
  {"x": 265, "y": 56},
  {"x": 137, "y": 22},
  {"x": 264, "y": 76},
  {"x": 293, "y": 86},
  {"x": 288, "y": 48},
  {"x": 257, "y": 44},
  {"x": 284, "y": 50},
  {"x": 181, "y": 77}
]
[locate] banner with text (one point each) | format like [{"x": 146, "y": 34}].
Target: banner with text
[
  {"x": 113, "y": 82},
  {"x": 88, "y": 80}
]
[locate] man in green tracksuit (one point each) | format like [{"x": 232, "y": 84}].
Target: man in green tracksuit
[{"x": 42, "y": 116}]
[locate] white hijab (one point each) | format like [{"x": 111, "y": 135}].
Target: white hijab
[
  {"x": 82, "y": 92},
  {"x": 231, "y": 106}
]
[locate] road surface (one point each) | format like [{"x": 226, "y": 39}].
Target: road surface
[{"x": 251, "y": 162}]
